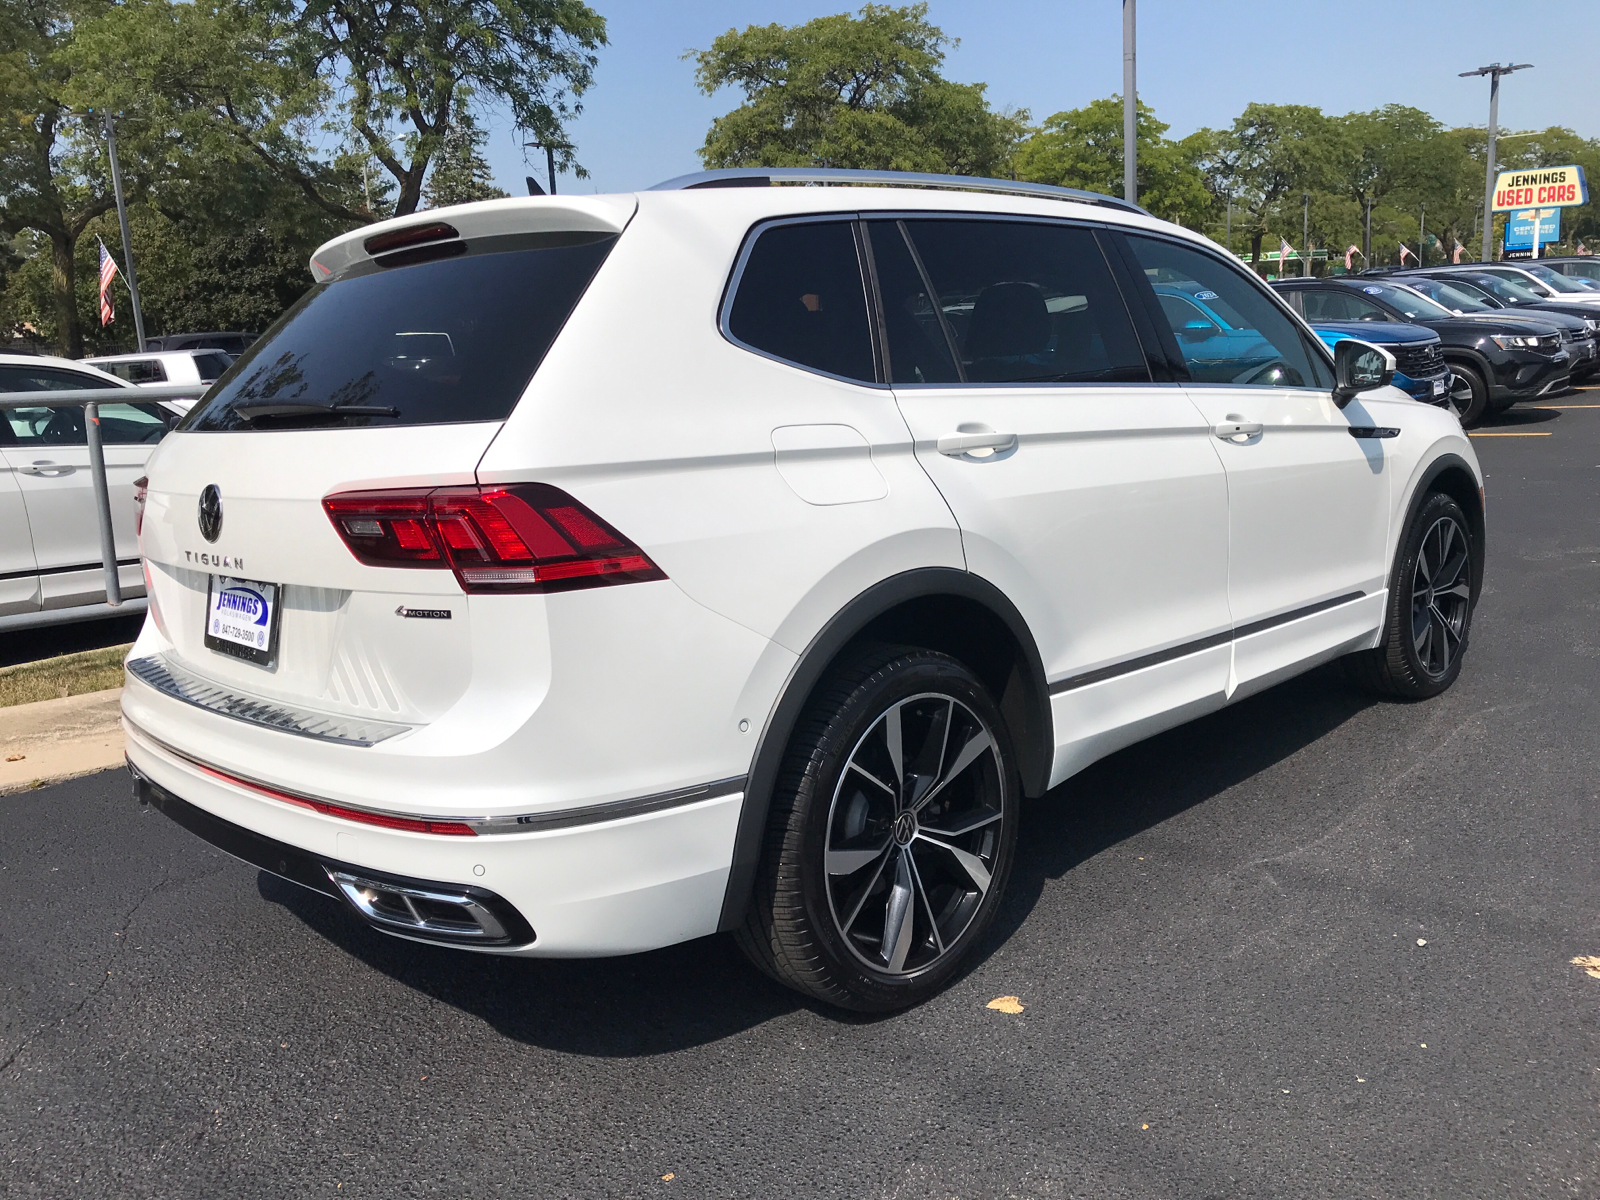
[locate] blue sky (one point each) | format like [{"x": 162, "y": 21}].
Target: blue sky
[{"x": 1200, "y": 63}]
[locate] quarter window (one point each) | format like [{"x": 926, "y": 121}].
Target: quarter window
[
  {"x": 801, "y": 298},
  {"x": 1240, "y": 336},
  {"x": 1024, "y": 302}
]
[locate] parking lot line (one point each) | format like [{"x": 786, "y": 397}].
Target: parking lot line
[
  {"x": 1507, "y": 433},
  {"x": 1564, "y": 406}
]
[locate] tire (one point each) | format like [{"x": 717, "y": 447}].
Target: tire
[
  {"x": 1431, "y": 597},
  {"x": 1477, "y": 403},
  {"x": 882, "y": 872}
]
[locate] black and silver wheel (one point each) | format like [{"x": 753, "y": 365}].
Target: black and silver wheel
[
  {"x": 891, "y": 834},
  {"x": 1431, "y": 597},
  {"x": 1470, "y": 394}
]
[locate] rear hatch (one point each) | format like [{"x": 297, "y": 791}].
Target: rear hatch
[{"x": 393, "y": 374}]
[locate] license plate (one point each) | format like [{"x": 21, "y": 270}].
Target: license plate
[
  {"x": 1438, "y": 387},
  {"x": 242, "y": 618}
]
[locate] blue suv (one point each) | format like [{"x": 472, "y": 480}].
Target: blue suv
[{"x": 1420, "y": 369}]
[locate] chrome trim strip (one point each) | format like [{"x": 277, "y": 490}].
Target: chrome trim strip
[
  {"x": 539, "y": 822},
  {"x": 166, "y": 677},
  {"x": 1127, "y": 666}
]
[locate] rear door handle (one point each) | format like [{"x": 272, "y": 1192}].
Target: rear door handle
[
  {"x": 957, "y": 444},
  {"x": 1237, "y": 430}
]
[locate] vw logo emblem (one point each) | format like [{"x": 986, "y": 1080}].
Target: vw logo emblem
[{"x": 211, "y": 513}]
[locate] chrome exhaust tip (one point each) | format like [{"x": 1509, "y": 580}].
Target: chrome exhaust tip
[{"x": 434, "y": 913}]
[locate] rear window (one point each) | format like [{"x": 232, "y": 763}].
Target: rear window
[{"x": 431, "y": 343}]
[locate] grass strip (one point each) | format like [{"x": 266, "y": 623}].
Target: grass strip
[{"x": 66, "y": 675}]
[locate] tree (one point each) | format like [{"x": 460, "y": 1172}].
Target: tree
[
  {"x": 460, "y": 173},
  {"x": 52, "y": 180},
  {"x": 851, "y": 91},
  {"x": 1082, "y": 148},
  {"x": 1272, "y": 152},
  {"x": 255, "y": 77}
]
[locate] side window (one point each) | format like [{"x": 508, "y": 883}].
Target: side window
[
  {"x": 1028, "y": 302},
  {"x": 146, "y": 370},
  {"x": 131, "y": 424},
  {"x": 1260, "y": 346},
  {"x": 801, "y": 299},
  {"x": 44, "y": 426},
  {"x": 212, "y": 365},
  {"x": 919, "y": 351},
  {"x": 1331, "y": 305}
]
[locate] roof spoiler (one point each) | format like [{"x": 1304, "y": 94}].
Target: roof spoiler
[{"x": 769, "y": 176}]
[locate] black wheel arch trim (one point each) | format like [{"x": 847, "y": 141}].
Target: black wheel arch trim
[
  {"x": 1027, "y": 713},
  {"x": 1480, "y": 364}
]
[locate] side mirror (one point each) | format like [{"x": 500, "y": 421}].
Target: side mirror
[
  {"x": 1359, "y": 367},
  {"x": 1197, "y": 330}
]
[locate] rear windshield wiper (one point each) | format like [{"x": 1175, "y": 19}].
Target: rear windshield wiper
[{"x": 313, "y": 411}]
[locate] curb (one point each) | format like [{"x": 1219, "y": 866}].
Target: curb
[{"x": 54, "y": 740}]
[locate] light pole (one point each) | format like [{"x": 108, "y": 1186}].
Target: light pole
[
  {"x": 549, "y": 160},
  {"x": 1493, "y": 71},
  {"x": 1305, "y": 238},
  {"x": 132, "y": 276},
  {"x": 1366, "y": 250},
  {"x": 1230, "y": 222},
  {"x": 1422, "y": 238},
  {"x": 1130, "y": 108}
]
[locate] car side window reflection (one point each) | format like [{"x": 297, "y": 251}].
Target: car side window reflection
[{"x": 1226, "y": 329}]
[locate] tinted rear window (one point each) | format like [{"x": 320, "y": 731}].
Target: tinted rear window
[{"x": 442, "y": 342}]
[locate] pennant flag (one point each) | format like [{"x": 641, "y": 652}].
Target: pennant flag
[
  {"x": 1403, "y": 253},
  {"x": 108, "y": 272}
]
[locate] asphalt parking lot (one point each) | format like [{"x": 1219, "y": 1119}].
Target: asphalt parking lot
[{"x": 1311, "y": 946}]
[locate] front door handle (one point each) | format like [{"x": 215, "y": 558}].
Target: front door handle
[
  {"x": 1237, "y": 431},
  {"x": 43, "y": 466},
  {"x": 957, "y": 444}
]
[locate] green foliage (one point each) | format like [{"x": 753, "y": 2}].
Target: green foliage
[
  {"x": 1082, "y": 148},
  {"x": 851, "y": 91},
  {"x": 460, "y": 173}
]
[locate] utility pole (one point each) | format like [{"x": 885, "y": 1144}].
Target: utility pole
[
  {"x": 1130, "y": 107},
  {"x": 1493, "y": 71},
  {"x": 122, "y": 218},
  {"x": 1305, "y": 238}
]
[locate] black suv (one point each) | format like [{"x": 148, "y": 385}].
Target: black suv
[
  {"x": 1502, "y": 358},
  {"x": 1463, "y": 290}
]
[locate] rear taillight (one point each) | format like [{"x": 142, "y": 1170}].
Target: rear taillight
[
  {"x": 141, "y": 492},
  {"x": 526, "y": 537}
]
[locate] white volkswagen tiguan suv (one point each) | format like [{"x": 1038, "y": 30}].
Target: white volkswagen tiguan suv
[{"x": 580, "y": 575}]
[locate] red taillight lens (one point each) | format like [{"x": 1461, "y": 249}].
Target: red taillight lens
[
  {"x": 527, "y": 537},
  {"x": 141, "y": 492}
]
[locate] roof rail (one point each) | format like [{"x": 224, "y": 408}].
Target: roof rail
[{"x": 767, "y": 176}]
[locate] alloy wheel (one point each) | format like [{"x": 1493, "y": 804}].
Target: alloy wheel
[
  {"x": 1441, "y": 595},
  {"x": 914, "y": 832}
]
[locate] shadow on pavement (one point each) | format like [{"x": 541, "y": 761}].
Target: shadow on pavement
[
  {"x": 1513, "y": 417},
  {"x": 30, "y": 645},
  {"x": 704, "y": 990}
]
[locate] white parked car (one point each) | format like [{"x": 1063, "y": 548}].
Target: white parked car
[
  {"x": 50, "y": 567},
  {"x": 161, "y": 367},
  {"x": 580, "y": 575}
]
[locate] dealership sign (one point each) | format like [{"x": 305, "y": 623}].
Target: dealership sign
[
  {"x": 1522, "y": 224},
  {"x": 1558, "y": 186}
]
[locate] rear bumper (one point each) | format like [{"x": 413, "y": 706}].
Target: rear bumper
[{"x": 611, "y": 887}]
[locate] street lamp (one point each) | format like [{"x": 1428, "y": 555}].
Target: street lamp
[
  {"x": 1493, "y": 71},
  {"x": 549, "y": 149},
  {"x": 1130, "y": 107}
]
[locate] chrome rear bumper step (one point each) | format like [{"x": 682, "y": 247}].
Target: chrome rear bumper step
[{"x": 167, "y": 677}]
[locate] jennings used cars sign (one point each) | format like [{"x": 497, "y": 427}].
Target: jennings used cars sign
[{"x": 1559, "y": 186}]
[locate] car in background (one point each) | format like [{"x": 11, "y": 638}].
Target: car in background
[
  {"x": 1464, "y": 292},
  {"x": 1420, "y": 370},
  {"x": 50, "y": 567},
  {"x": 199, "y": 367},
  {"x": 232, "y": 343},
  {"x": 1547, "y": 283},
  {"x": 1575, "y": 266},
  {"x": 1502, "y": 358}
]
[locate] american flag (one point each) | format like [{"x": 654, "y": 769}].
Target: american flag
[{"x": 108, "y": 272}]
